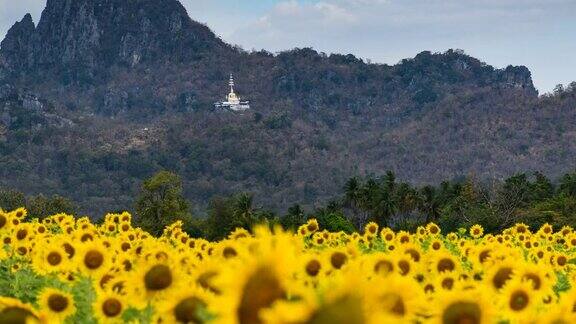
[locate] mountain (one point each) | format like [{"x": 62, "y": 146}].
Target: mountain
[{"x": 125, "y": 88}]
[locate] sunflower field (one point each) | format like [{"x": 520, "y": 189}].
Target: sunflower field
[{"x": 67, "y": 270}]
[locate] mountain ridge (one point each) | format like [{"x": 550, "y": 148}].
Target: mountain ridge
[{"x": 317, "y": 119}]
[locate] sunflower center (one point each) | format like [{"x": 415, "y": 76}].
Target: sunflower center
[
  {"x": 127, "y": 265},
  {"x": 338, "y": 259},
  {"x": 312, "y": 227},
  {"x": 86, "y": 237},
  {"x": 125, "y": 246},
  {"x": 93, "y": 259},
  {"x": 229, "y": 252},
  {"x": 69, "y": 249},
  {"x": 204, "y": 280},
  {"x": 187, "y": 310},
  {"x": 462, "y": 313},
  {"x": 502, "y": 275},
  {"x": 16, "y": 315},
  {"x": 57, "y": 303},
  {"x": 54, "y": 258},
  {"x": 536, "y": 281},
  {"x": 404, "y": 267},
  {"x": 447, "y": 283},
  {"x": 446, "y": 264},
  {"x": 21, "y": 234},
  {"x": 414, "y": 254},
  {"x": 561, "y": 260},
  {"x": 159, "y": 277},
  {"x": 111, "y": 307},
  {"x": 313, "y": 268},
  {"x": 383, "y": 266},
  {"x": 519, "y": 300},
  {"x": 260, "y": 291},
  {"x": 2, "y": 221},
  {"x": 484, "y": 255}
]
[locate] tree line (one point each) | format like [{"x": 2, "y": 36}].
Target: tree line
[{"x": 530, "y": 198}]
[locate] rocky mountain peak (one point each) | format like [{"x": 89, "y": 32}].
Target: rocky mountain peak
[
  {"x": 18, "y": 41},
  {"x": 518, "y": 77},
  {"x": 83, "y": 36}
]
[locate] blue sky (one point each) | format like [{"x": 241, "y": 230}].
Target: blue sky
[{"x": 538, "y": 34}]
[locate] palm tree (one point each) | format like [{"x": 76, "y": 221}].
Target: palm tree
[
  {"x": 429, "y": 203},
  {"x": 390, "y": 181},
  {"x": 294, "y": 218},
  {"x": 352, "y": 192},
  {"x": 385, "y": 204},
  {"x": 243, "y": 209},
  {"x": 568, "y": 184}
]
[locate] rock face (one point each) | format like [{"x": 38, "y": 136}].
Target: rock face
[
  {"x": 17, "y": 47},
  {"x": 80, "y": 37},
  {"x": 20, "y": 109},
  {"x": 518, "y": 77}
]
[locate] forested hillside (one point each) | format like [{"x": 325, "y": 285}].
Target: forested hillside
[{"x": 100, "y": 95}]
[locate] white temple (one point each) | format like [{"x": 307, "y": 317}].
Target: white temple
[{"x": 232, "y": 100}]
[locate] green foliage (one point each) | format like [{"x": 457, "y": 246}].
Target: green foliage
[
  {"x": 161, "y": 202},
  {"x": 41, "y": 206},
  {"x": 25, "y": 285},
  {"x": 278, "y": 121},
  {"x": 334, "y": 221},
  {"x": 529, "y": 198},
  {"x": 238, "y": 211},
  {"x": 562, "y": 283},
  {"x": 559, "y": 210},
  {"x": 294, "y": 218},
  {"x": 38, "y": 206},
  {"x": 568, "y": 184},
  {"x": 11, "y": 199}
]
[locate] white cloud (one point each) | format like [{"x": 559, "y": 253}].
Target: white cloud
[
  {"x": 319, "y": 12},
  {"x": 334, "y": 13},
  {"x": 500, "y": 32}
]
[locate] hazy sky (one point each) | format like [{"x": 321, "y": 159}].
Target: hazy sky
[{"x": 540, "y": 34}]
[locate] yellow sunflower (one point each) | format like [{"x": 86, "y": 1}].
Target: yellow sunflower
[
  {"x": 49, "y": 258},
  {"x": 57, "y": 304},
  {"x": 14, "y": 311},
  {"x": 476, "y": 231},
  {"x": 184, "y": 306},
  {"x": 109, "y": 306},
  {"x": 92, "y": 258},
  {"x": 459, "y": 306},
  {"x": 518, "y": 300}
]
